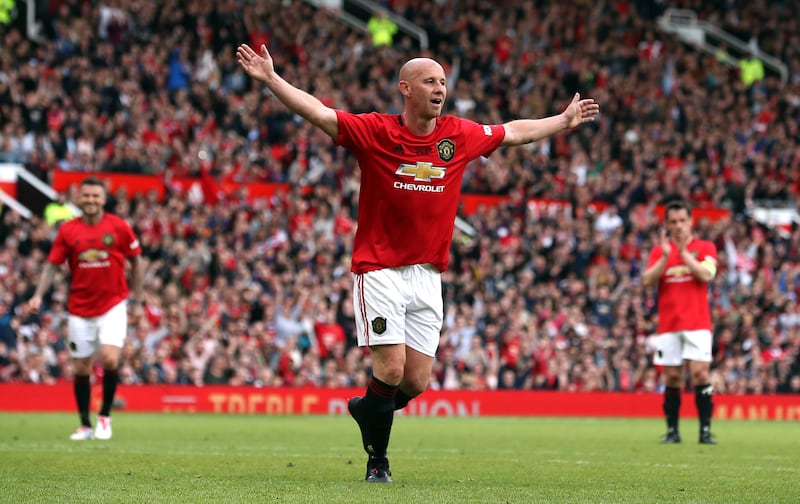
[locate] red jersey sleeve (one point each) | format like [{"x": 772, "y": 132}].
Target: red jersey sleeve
[
  {"x": 655, "y": 255},
  {"x": 707, "y": 252},
  {"x": 356, "y": 130},
  {"x": 482, "y": 139},
  {"x": 129, "y": 244},
  {"x": 59, "y": 251}
]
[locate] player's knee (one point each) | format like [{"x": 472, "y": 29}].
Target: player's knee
[
  {"x": 413, "y": 387},
  {"x": 700, "y": 377},
  {"x": 391, "y": 375},
  {"x": 673, "y": 380},
  {"x": 110, "y": 363},
  {"x": 388, "y": 364},
  {"x": 82, "y": 366}
]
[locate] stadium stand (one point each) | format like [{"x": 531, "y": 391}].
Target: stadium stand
[{"x": 543, "y": 291}]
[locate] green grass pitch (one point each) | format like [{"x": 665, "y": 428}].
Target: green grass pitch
[{"x": 199, "y": 458}]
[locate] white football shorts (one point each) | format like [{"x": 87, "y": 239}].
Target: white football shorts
[
  {"x": 673, "y": 348},
  {"x": 86, "y": 334},
  {"x": 399, "y": 305}
]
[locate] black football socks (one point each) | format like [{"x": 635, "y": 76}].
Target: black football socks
[
  {"x": 672, "y": 406},
  {"x": 110, "y": 380},
  {"x": 378, "y": 411},
  {"x": 705, "y": 406},
  {"x": 82, "y": 387},
  {"x": 401, "y": 400}
]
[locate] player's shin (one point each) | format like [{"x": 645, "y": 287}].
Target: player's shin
[
  {"x": 705, "y": 405},
  {"x": 672, "y": 407},
  {"x": 110, "y": 380},
  {"x": 379, "y": 405},
  {"x": 401, "y": 400},
  {"x": 82, "y": 388}
]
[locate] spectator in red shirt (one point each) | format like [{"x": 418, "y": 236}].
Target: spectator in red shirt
[{"x": 328, "y": 332}]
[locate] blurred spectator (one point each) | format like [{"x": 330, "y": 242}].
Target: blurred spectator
[
  {"x": 58, "y": 211},
  {"x": 381, "y": 28}
]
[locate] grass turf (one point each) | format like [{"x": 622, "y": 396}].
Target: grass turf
[{"x": 230, "y": 458}]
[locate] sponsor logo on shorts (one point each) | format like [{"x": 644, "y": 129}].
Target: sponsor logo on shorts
[
  {"x": 73, "y": 346},
  {"x": 379, "y": 325}
]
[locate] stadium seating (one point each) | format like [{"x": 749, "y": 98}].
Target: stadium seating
[{"x": 544, "y": 288}]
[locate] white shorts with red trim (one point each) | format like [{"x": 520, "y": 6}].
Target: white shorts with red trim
[
  {"x": 673, "y": 348},
  {"x": 86, "y": 334},
  {"x": 399, "y": 306}
]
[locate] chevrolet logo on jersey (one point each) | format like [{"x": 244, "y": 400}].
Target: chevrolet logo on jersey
[
  {"x": 94, "y": 258},
  {"x": 423, "y": 172},
  {"x": 93, "y": 255},
  {"x": 678, "y": 273}
]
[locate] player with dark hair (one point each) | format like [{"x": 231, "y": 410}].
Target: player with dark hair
[
  {"x": 95, "y": 246},
  {"x": 411, "y": 165},
  {"x": 682, "y": 267}
]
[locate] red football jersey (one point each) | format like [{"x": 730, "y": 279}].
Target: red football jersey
[
  {"x": 410, "y": 185},
  {"x": 683, "y": 303},
  {"x": 96, "y": 256}
]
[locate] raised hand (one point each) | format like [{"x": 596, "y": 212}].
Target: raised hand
[
  {"x": 34, "y": 304},
  {"x": 580, "y": 111},
  {"x": 257, "y": 66},
  {"x": 682, "y": 241},
  {"x": 666, "y": 248}
]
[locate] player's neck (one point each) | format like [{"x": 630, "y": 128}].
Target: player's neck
[
  {"x": 92, "y": 219},
  {"x": 419, "y": 125}
]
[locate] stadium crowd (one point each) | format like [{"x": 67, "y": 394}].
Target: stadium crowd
[{"x": 259, "y": 292}]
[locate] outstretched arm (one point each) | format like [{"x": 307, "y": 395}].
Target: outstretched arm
[
  {"x": 260, "y": 67},
  {"x": 523, "y": 131}
]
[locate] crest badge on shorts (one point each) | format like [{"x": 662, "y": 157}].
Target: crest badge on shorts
[
  {"x": 379, "y": 325},
  {"x": 108, "y": 239},
  {"x": 446, "y": 149}
]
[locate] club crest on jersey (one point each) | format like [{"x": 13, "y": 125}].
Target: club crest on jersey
[
  {"x": 379, "y": 325},
  {"x": 446, "y": 149},
  {"x": 421, "y": 171},
  {"x": 108, "y": 240}
]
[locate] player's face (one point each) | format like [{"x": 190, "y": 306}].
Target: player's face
[
  {"x": 679, "y": 224},
  {"x": 92, "y": 199},
  {"x": 427, "y": 88}
]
